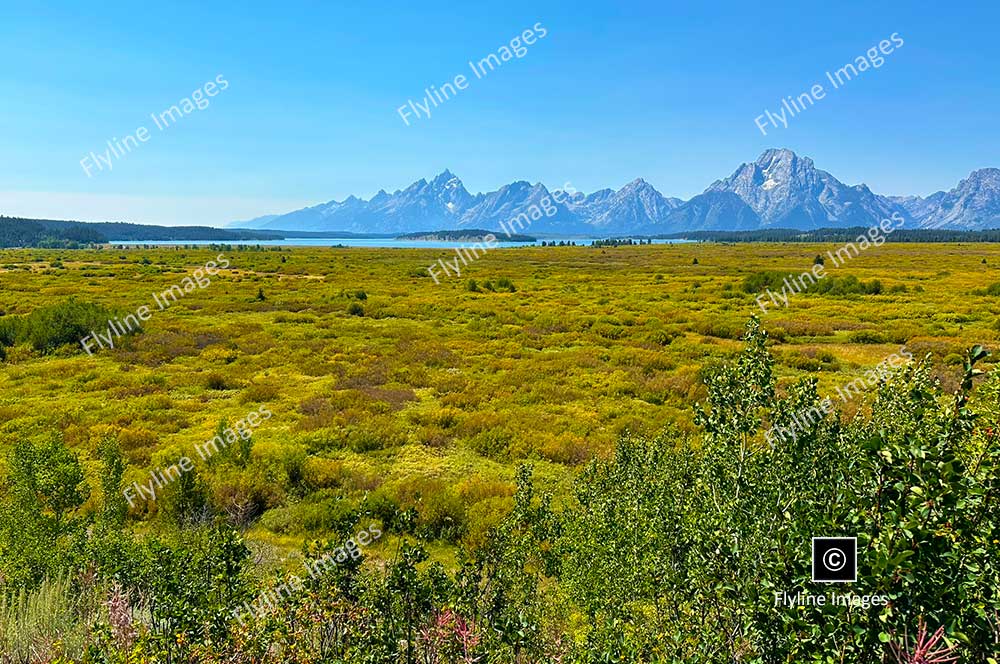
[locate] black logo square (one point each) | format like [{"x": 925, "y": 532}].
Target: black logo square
[{"x": 834, "y": 559}]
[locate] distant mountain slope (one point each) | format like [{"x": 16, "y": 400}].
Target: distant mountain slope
[
  {"x": 514, "y": 207},
  {"x": 714, "y": 210},
  {"x": 256, "y": 222},
  {"x": 973, "y": 204},
  {"x": 915, "y": 206},
  {"x": 635, "y": 207},
  {"x": 778, "y": 189}
]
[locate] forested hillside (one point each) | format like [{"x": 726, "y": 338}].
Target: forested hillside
[{"x": 17, "y": 232}]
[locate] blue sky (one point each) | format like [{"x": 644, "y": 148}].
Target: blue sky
[{"x": 663, "y": 91}]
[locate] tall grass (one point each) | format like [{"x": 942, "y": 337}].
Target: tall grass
[{"x": 51, "y": 620}]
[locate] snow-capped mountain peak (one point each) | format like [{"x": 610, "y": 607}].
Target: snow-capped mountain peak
[{"x": 786, "y": 190}]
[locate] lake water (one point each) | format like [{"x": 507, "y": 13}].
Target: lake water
[{"x": 369, "y": 242}]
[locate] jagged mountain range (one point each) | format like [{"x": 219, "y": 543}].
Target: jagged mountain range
[{"x": 778, "y": 190}]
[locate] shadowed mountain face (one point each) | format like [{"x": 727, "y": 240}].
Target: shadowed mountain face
[
  {"x": 778, "y": 190},
  {"x": 714, "y": 211},
  {"x": 974, "y": 204}
]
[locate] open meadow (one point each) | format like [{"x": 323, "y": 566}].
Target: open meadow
[
  {"x": 381, "y": 381},
  {"x": 411, "y": 404}
]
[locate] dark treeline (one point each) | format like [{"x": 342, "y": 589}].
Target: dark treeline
[
  {"x": 465, "y": 235},
  {"x": 836, "y": 235},
  {"x": 620, "y": 242},
  {"x": 18, "y": 232},
  {"x": 30, "y": 233}
]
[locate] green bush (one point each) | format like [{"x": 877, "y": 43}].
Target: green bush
[
  {"x": 505, "y": 284},
  {"x": 216, "y": 381},
  {"x": 726, "y": 522},
  {"x": 661, "y": 337},
  {"x": 49, "y": 328},
  {"x": 492, "y": 443},
  {"x": 40, "y": 521},
  {"x": 828, "y": 285},
  {"x": 325, "y": 515},
  {"x": 866, "y": 337},
  {"x": 993, "y": 290}
]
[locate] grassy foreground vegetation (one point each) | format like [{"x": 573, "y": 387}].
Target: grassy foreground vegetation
[{"x": 546, "y": 489}]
